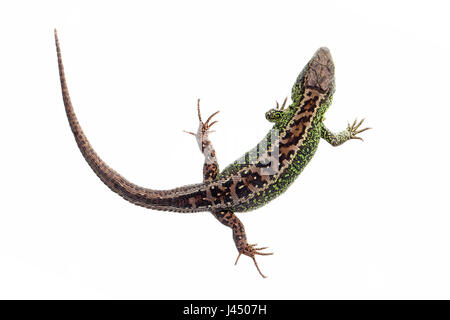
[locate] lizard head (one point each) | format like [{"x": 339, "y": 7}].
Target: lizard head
[{"x": 318, "y": 74}]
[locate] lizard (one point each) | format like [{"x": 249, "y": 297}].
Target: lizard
[{"x": 253, "y": 180}]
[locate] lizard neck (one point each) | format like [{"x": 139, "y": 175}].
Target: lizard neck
[{"x": 295, "y": 134}]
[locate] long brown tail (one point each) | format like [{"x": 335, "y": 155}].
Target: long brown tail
[{"x": 183, "y": 199}]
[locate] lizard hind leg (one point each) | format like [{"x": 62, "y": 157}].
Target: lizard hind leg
[
  {"x": 229, "y": 219},
  {"x": 210, "y": 165},
  {"x": 210, "y": 172}
]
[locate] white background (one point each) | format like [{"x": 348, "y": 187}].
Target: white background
[{"x": 364, "y": 220}]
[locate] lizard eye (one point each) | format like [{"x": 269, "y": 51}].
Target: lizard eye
[{"x": 273, "y": 115}]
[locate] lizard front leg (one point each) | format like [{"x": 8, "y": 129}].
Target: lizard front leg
[
  {"x": 210, "y": 172},
  {"x": 336, "y": 139}
]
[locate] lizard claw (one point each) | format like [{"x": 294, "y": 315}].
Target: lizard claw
[
  {"x": 282, "y": 106},
  {"x": 251, "y": 251},
  {"x": 189, "y": 132},
  {"x": 204, "y": 127},
  {"x": 353, "y": 129}
]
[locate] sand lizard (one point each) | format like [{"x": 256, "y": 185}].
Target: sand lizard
[{"x": 256, "y": 178}]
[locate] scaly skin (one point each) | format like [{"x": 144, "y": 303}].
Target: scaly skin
[{"x": 253, "y": 180}]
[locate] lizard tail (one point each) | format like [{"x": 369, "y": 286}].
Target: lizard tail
[{"x": 184, "y": 199}]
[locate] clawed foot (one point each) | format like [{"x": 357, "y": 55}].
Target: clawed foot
[
  {"x": 283, "y": 105},
  {"x": 204, "y": 127},
  {"x": 353, "y": 129},
  {"x": 251, "y": 251}
]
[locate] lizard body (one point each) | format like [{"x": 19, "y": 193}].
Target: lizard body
[{"x": 257, "y": 177}]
